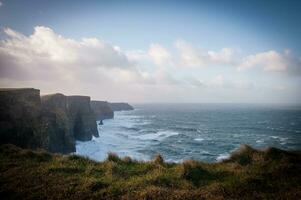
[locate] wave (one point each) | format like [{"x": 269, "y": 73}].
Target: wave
[
  {"x": 282, "y": 140},
  {"x": 160, "y": 135},
  {"x": 135, "y": 129},
  {"x": 199, "y": 139},
  {"x": 186, "y": 129},
  {"x": 279, "y": 138},
  {"x": 222, "y": 156}
]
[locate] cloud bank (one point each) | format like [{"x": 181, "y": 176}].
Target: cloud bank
[{"x": 95, "y": 67}]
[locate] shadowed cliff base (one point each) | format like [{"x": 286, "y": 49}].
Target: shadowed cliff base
[{"x": 248, "y": 174}]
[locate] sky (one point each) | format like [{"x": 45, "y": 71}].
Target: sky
[{"x": 154, "y": 51}]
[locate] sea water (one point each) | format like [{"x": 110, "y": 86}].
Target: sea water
[{"x": 207, "y": 132}]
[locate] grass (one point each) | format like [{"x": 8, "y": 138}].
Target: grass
[{"x": 247, "y": 174}]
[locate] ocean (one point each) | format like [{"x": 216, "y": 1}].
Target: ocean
[{"x": 207, "y": 132}]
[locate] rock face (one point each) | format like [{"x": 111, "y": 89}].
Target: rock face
[
  {"x": 56, "y": 124},
  {"x": 121, "y": 106},
  {"x": 102, "y": 110},
  {"x": 82, "y": 118},
  {"x": 19, "y": 117},
  {"x": 52, "y": 122}
]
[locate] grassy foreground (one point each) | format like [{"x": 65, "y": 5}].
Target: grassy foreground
[{"x": 248, "y": 174}]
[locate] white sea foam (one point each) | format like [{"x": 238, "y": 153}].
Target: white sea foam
[
  {"x": 279, "y": 138},
  {"x": 205, "y": 152},
  {"x": 174, "y": 160},
  {"x": 282, "y": 140},
  {"x": 113, "y": 137},
  {"x": 222, "y": 156},
  {"x": 160, "y": 135},
  {"x": 199, "y": 139},
  {"x": 259, "y": 141},
  {"x": 122, "y": 136}
]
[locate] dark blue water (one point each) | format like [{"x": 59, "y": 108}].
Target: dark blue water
[{"x": 207, "y": 132}]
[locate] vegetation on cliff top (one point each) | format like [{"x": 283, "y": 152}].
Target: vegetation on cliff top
[{"x": 247, "y": 174}]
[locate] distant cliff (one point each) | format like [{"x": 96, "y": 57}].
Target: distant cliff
[
  {"x": 102, "y": 110},
  {"x": 121, "y": 106},
  {"x": 52, "y": 122}
]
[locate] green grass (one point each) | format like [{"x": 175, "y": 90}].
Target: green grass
[{"x": 247, "y": 174}]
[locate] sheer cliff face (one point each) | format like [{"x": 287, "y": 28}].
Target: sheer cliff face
[
  {"x": 66, "y": 119},
  {"x": 82, "y": 118},
  {"x": 102, "y": 110},
  {"x": 19, "y": 117},
  {"x": 52, "y": 122},
  {"x": 121, "y": 106},
  {"x": 58, "y": 136}
]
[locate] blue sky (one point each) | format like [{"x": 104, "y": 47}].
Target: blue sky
[
  {"x": 254, "y": 24},
  {"x": 213, "y": 51}
]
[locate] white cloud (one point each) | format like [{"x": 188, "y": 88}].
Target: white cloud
[
  {"x": 218, "y": 80},
  {"x": 137, "y": 55},
  {"x": 159, "y": 54},
  {"x": 269, "y": 61},
  {"x": 192, "y": 56},
  {"x": 1, "y": 3},
  {"x": 225, "y": 56},
  {"x": 45, "y": 53},
  {"x": 156, "y": 54}
]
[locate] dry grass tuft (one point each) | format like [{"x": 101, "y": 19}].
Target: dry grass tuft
[
  {"x": 113, "y": 157},
  {"x": 127, "y": 159},
  {"x": 158, "y": 159}
]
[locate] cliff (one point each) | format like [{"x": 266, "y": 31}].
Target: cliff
[
  {"x": 121, "y": 106},
  {"x": 52, "y": 122},
  {"x": 56, "y": 124},
  {"x": 82, "y": 118},
  {"x": 102, "y": 110},
  {"x": 19, "y": 117}
]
